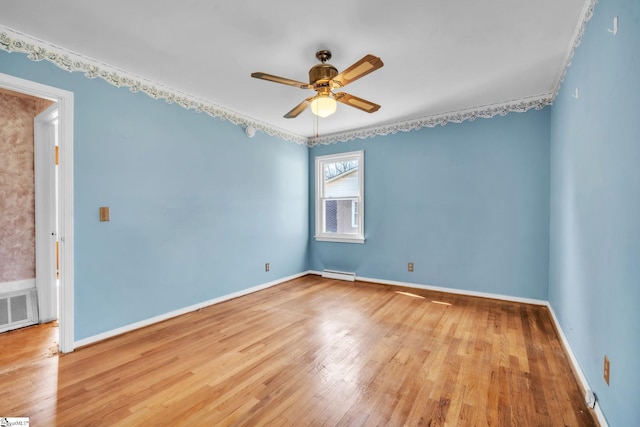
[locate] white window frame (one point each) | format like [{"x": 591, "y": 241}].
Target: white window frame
[
  {"x": 320, "y": 199},
  {"x": 354, "y": 213}
]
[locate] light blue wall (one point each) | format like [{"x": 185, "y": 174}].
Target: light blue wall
[
  {"x": 197, "y": 208},
  {"x": 595, "y": 208},
  {"x": 467, "y": 203}
]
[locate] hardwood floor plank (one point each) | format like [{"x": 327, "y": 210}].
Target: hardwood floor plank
[{"x": 311, "y": 351}]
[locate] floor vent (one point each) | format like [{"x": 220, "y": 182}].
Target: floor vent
[
  {"x": 18, "y": 309},
  {"x": 340, "y": 275}
]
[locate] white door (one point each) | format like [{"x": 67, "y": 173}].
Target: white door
[{"x": 45, "y": 137}]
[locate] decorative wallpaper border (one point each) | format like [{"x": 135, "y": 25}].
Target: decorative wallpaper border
[
  {"x": 471, "y": 114},
  {"x": 38, "y": 50},
  {"x": 586, "y": 15}
]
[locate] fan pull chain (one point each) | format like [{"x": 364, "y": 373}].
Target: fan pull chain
[{"x": 316, "y": 125}]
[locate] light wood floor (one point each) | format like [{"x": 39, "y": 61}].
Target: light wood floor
[{"x": 308, "y": 352}]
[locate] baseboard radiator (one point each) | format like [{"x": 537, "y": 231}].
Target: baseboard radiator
[
  {"x": 18, "y": 309},
  {"x": 340, "y": 275}
]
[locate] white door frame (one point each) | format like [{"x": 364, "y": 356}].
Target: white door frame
[
  {"x": 64, "y": 99},
  {"x": 44, "y": 140}
]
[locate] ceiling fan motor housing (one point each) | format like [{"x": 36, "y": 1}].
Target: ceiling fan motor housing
[{"x": 322, "y": 72}]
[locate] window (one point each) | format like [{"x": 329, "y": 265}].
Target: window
[{"x": 340, "y": 197}]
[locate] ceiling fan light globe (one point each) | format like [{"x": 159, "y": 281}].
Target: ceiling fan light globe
[{"x": 323, "y": 106}]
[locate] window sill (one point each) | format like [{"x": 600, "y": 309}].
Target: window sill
[{"x": 359, "y": 240}]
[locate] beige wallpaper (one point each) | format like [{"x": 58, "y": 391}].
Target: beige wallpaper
[{"x": 17, "y": 205}]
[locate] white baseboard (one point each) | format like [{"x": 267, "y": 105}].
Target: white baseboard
[
  {"x": 447, "y": 290},
  {"x": 175, "y": 313},
  {"x": 576, "y": 366},
  {"x": 18, "y": 285}
]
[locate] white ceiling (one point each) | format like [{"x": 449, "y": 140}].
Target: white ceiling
[{"x": 440, "y": 56}]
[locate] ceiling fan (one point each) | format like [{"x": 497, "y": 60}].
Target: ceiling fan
[{"x": 323, "y": 78}]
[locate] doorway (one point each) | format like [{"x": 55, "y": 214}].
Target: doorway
[{"x": 59, "y": 121}]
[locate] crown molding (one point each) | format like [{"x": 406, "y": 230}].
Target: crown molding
[
  {"x": 38, "y": 50},
  {"x": 502, "y": 109},
  {"x": 585, "y": 16}
]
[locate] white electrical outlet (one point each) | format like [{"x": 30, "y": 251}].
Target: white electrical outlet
[{"x": 590, "y": 399}]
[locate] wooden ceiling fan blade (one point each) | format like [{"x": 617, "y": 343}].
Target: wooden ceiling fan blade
[
  {"x": 366, "y": 65},
  {"x": 282, "y": 80},
  {"x": 295, "y": 112},
  {"x": 359, "y": 103}
]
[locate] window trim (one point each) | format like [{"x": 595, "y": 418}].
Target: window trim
[
  {"x": 354, "y": 212},
  {"x": 320, "y": 161}
]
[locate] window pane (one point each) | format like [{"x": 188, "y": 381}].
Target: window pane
[
  {"x": 331, "y": 216},
  {"x": 339, "y": 216},
  {"x": 331, "y": 170},
  {"x": 341, "y": 179}
]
